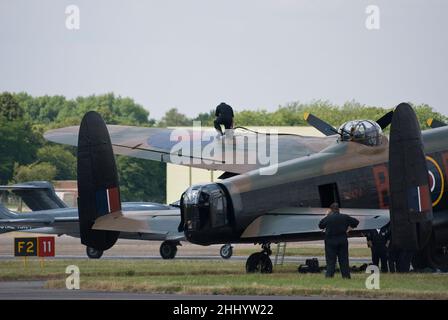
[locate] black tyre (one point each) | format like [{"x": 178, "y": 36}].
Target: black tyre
[
  {"x": 93, "y": 253},
  {"x": 438, "y": 257},
  {"x": 433, "y": 256},
  {"x": 226, "y": 251},
  {"x": 168, "y": 250},
  {"x": 420, "y": 260},
  {"x": 266, "y": 264},
  {"x": 259, "y": 262}
]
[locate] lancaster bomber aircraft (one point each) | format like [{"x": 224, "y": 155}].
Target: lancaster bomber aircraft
[{"x": 379, "y": 179}]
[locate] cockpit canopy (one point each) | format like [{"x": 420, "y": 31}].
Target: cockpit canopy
[{"x": 366, "y": 132}]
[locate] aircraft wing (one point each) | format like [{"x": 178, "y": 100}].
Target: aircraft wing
[
  {"x": 35, "y": 222},
  {"x": 296, "y": 221},
  {"x": 162, "y": 222},
  {"x": 200, "y": 148}
]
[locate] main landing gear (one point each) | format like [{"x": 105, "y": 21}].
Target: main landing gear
[
  {"x": 434, "y": 256},
  {"x": 168, "y": 249},
  {"x": 260, "y": 261}
]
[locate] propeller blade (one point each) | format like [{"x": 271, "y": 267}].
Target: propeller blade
[
  {"x": 434, "y": 123},
  {"x": 385, "y": 120},
  {"x": 320, "y": 125}
]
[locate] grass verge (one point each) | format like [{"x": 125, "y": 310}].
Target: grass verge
[{"x": 220, "y": 277}]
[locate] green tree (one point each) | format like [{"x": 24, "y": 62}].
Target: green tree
[
  {"x": 206, "y": 118},
  {"x": 173, "y": 118},
  {"x": 292, "y": 114},
  {"x": 141, "y": 180},
  {"x": 425, "y": 112},
  {"x": 10, "y": 109},
  {"x": 24, "y": 119},
  {"x": 18, "y": 143},
  {"x": 34, "y": 172},
  {"x": 61, "y": 159}
]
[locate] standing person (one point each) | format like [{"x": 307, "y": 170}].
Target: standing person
[
  {"x": 377, "y": 241},
  {"x": 224, "y": 116},
  {"x": 336, "y": 226}
]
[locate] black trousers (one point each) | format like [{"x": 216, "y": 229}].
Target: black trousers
[
  {"x": 380, "y": 254},
  {"x": 404, "y": 260},
  {"x": 226, "y": 121},
  {"x": 337, "y": 248},
  {"x": 392, "y": 256}
]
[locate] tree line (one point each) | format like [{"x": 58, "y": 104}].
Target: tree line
[{"x": 25, "y": 155}]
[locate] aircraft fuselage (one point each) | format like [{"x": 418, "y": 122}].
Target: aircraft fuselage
[{"x": 350, "y": 173}]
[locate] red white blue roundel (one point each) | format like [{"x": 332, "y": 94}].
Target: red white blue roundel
[{"x": 436, "y": 181}]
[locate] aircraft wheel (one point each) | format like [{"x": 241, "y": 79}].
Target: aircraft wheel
[
  {"x": 433, "y": 255},
  {"x": 438, "y": 256},
  {"x": 93, "y": 253},
  {"x": 420, "y": 260},
  {"x": 259, "y": 262},
  {"x": 226, "y": 251},
  {"x": 168, "y": 250}
]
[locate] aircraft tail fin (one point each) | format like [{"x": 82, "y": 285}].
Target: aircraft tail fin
[
  {"x": 5, "y": 213},
  {"x": 98, "y": 189},
  {"x": 410, "y": 196},
  {"x": 37, "y": 195}
]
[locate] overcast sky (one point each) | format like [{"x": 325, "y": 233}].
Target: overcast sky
[{"x": 250, "y": 53}]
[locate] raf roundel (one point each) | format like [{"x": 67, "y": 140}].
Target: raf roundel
[{"x": 436, "y": 180}]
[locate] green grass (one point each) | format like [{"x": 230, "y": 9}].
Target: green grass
[
  {"x": 219, "y": 277},
  {"x": 307, "y": 251}
]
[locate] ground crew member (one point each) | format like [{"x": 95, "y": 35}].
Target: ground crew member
[
  {"x": 377, "y": 242},
  {"x": 224, "y": 116},
  {"x": 336, "y": 226}
]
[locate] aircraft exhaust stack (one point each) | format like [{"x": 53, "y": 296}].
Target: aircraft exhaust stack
[
  {"x": 410, "y": 203},
  {"x": 98, "y": 189}
]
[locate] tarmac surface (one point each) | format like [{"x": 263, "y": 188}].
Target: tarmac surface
[
  {"x": 34, "y": 290},
  {"x": 298, "y": 259}
]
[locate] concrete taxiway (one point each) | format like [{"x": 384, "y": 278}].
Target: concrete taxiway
[{"x": 297, "y": 259}]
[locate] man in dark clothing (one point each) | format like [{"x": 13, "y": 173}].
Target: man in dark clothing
[
  {"x": 336, "y": 226},
  {"x": 392, "y": 252},
  {"x": 224, "y": 116},
  {"x": 377, "y": 241}
]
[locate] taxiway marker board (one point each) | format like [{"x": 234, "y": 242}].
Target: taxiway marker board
[
  {"x": 34, "y": 246},
  {"x": 46, "y": 247},
  {"x": 25, "y": 247}
]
